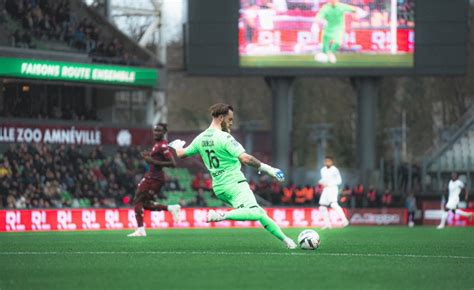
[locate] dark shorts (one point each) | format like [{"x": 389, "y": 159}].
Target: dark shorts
[{"x": 147, "y": 187}]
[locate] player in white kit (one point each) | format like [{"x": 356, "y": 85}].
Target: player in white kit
[
  {"x": 330, "y": 180},
  {"x": 455, "y": 187}
]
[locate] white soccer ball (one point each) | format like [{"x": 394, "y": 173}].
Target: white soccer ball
[
  {"x": 321, "y": 57},
  {"x": 308, "y": 240}
]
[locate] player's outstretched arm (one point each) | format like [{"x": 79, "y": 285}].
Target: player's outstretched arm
[
  {"x": 361, "y": 13},
  {"x": 358, "y": 12},
  {"x": 250, "y": 160},
  {"x": 177, "y": 145}
]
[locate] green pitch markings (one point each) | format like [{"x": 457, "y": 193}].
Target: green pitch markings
[
  {"x": 343, "y": 61},
  {"x": 349, "y": 258}
]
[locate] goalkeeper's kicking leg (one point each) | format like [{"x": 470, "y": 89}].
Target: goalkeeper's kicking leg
[
  {"x": 322, "y": 56},
  {"x": 334, "y": 46},
  {"x": 246, "y": 209}
]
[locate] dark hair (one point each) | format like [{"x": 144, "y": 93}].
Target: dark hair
[
  {"x": 220, "y": 109},
  {"x": 163, "y": 125},
  {"x": 329, "y": 157}
]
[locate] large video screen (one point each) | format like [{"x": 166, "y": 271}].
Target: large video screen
[{"x": 327, "y": 33}]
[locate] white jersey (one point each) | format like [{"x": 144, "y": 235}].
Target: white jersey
[
  {"x": 455, "y": 187},
  {"x": 330, "y": 177}
]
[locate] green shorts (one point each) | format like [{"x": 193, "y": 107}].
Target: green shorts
[{"x": 237, "y": 196}]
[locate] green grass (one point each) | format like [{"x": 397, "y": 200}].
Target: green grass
[
  {"x": 343, "y": 61},
  {"x": 351, "y": 258}
]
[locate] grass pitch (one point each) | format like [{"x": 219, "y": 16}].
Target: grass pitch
[
  {"x": 351, "y": 258},
  {"x": 344, "y": 60}
]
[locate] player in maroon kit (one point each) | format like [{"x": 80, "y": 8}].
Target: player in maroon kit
[{"x": 159, "y": 157}]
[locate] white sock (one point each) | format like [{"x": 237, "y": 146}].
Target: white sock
[
  {"x": 339, "y": 211},
  {"x": 141, "y": 229},
  {"x": 325, "y": 213},
  {"x": 462, "y": 213},
  {"x": 444, "y": 216}
]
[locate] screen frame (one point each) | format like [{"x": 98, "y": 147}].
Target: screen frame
[{"x": 441, "y": 46}]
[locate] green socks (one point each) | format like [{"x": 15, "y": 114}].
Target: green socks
[{"x": 256, "y": 214}]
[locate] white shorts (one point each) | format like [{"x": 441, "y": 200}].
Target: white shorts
[
  {"x": 452, "y": 203},
  {"x": 328, "y": 196}
]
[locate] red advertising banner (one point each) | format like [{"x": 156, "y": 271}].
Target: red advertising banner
[
  {"x": 433, "y": 217},
  {"x": 300, "y": 40},
  {"x": 378, "y": 216},
  {"x": 77, "y": 135},
  {"x": 104, "y": 219},
  {"x": 457, "y": 220}
]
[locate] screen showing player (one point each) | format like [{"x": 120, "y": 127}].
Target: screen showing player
[{"x": 327, "y": 33}]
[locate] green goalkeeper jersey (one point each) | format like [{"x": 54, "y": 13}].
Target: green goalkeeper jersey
[
  {"x": 220, "y": 154},
  {"x": 334, "y": 15}
]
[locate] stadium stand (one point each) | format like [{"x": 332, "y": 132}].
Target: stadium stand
[
  {"x": 69, "y": 26},
  {"x": 454, "y": 151}
]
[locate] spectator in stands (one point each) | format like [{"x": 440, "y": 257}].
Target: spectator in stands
[
  {"x": 5, "y": 169},
  {"x": 288, "y": 192},
  {"x": 197, "y": 182},
  {"x": 79, "y": 39},
  {"x": 387, "y": 198},
  {"x": 359, "y": 194},
  {"x": 318, "y": 190},
  {"x": 207, "y": 182},
  {"x": 346, "y": 197},
  {"x": 309, "y": 194},
  {"x": 372, "y": 197},
  {"x": 300, "y": 197},
  {"x": 200, "y": 200},
  {"x": 263, "y": 187},
  {"x": 172, "y": 184},
  {"x": 202, "y": 181},
  {"x": 276, "y": 191},
  {"x": 3, "y": 11}
]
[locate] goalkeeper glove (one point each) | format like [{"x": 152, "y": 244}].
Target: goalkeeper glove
[
  {"x": 177, "y": 144},
  {"x": 273, "y": 172}
]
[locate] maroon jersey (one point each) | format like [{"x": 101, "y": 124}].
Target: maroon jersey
[{"x": 160, "y": 152}]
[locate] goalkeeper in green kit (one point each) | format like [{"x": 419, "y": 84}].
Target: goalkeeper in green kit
[
  {"x": 332, "y": 16},
  {"x": 223, "y": 155}
]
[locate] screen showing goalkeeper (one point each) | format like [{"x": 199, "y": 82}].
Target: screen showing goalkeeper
[
  {"x": 331, "y": 17},
  {"x": 223, "y": 155}
]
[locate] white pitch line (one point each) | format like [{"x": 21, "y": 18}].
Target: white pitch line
[{"x": 236, "y": 253}]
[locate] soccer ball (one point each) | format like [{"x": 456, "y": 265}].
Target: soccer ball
[
  {"x": 308, "y": 240},
  {"x": 321, "y": 57}
]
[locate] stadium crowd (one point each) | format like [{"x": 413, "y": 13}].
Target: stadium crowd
[
  {"x": 54, "y": 20},
  {"x": 58, "y": 176},
  {"x": 43, "y": 176},
  {"x": 23, "y": 106}
]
